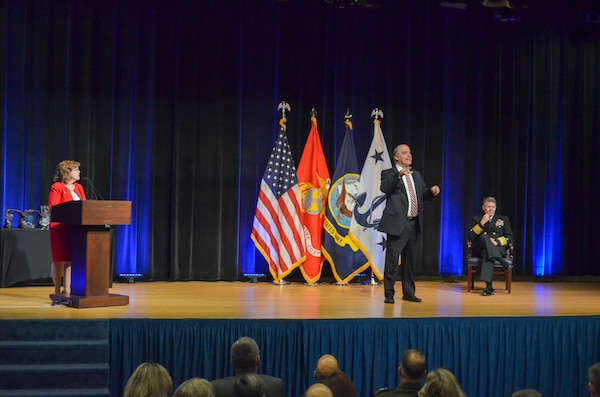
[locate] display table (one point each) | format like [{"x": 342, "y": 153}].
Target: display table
[{"x": 25, "y": 256}]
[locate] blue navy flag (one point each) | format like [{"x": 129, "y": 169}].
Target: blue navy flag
[{"x": 340, "y": 251}]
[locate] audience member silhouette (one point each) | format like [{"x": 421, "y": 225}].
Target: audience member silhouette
[
  {"x": 527, "y": 393},
  {"x": 441, "y": 383},
  {"x": 194, "y": 387},
  {"x": 594, "y": 380},
  {"x": 411, "y": 371},
  {"x": 340, "y": 385},
  {"x": 318, "y": 390},
  {"x": 327, "y": 365},
  {"x": 250, "y": 385},
  {"x": 245, "y": 359},
  {"x": 149, "y": 379}
]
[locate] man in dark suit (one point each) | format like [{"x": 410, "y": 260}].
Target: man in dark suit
[
  {"x": 412, "y": 369},
  {"x": 245, "y": 359},
  {"x": 491, "y": 235},
  {"x": 402, "y": 221},
  {"x": 250, "y": 385}
]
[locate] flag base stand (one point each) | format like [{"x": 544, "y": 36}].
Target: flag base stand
[
  {"x": 341, "y": 284},
  {"x": 254, "y": 277},
  {"x": 371, "y": 282},
  {"x": 317, "y": 284},
  {"x": 281, "y": 282}
]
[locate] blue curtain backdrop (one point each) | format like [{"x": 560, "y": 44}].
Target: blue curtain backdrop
[
  {"x": 489, "y": 356},
  {"x": 172, "y": 105}
]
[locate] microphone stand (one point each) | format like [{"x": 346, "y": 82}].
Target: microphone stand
[{"x": 95, "y": 193}]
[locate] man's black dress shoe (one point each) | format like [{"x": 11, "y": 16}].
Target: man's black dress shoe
[
  {"x": 487, "y": 292},
  {"x": 389, "y": 300},
  {"x": 411, "y": 298}
]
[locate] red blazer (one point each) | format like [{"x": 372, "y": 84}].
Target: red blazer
[{"x": 60, "y": 194}]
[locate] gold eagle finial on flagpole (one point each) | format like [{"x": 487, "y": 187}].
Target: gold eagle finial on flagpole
[
  {"x": 348, "y": 118},
  {"x": 377, "y": 115},
  {"x": 283, "y": 106}
]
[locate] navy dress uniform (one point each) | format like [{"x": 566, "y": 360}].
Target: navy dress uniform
[{"x": 498, "y": 228}]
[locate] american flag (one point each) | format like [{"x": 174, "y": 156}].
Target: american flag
[{"x": 277, "y": 230}]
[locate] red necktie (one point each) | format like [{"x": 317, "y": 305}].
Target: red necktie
[{"x": 412, "y": 196}]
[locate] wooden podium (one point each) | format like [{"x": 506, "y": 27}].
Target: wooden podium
[{"x": 90, "y": 222}]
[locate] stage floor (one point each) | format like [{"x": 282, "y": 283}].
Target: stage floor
[{"x": 265, "y": 300}]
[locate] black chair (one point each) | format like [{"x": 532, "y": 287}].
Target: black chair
[{"x": 474, "y": 267}]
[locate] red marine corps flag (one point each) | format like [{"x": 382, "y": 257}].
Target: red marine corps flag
[
  {"x": 314, "y": 181},
  {"x": 277, "y": 230}
]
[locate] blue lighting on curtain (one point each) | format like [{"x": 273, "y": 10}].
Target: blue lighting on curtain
[
  {"x": 14, "y": 154},
  {"x": 546, "y": 232},
  {"x": 252, "y": 260},
  {"x": 451, "y": 223},
  {"x": 134, "y": 136},
  {"x": 451, "y": 233},
  {"x": 133, "y": 241},
  {"x": 452, "y": 189}
]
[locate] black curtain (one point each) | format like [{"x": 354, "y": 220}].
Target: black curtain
[{"x": 172, "y": 105}]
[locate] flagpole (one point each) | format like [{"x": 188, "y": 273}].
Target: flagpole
[
  {"x": 314, "y": 182},
  {"x": 348, "y": 121},
  {"x": 283, "y": 106},
  {"x": 376, "y": 114}
]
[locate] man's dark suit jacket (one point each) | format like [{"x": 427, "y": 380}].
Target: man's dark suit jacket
[
  {"x": 224, "y": 387},
  {"x": 404, "y": 390},
  {"x": 394, "y": 217}
]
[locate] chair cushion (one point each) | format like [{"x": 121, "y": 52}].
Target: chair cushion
[
  {"x": 498, "y": 264},
  {"x": 474, "y": 261},
  {"x": 477, "y": 261}
]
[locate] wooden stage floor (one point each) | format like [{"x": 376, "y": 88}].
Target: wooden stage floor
[{"x": 265, "y": 300}]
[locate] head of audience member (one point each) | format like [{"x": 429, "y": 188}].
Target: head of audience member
[
  {"x": 413, "y": 367},
  {"x": 441, "y": 383},
  {"x": 594, "y": 380},
  {"x": 194, "y": 387},
  {"x": 149, "y": 379},
  {"x": 245, "y": 356},
  {"x": 340, "y": 385},
  {"x": 527, "y": 393},
  {"x": 327, "y": 365},
  {"x": 318, "y": 390},
  {"x": 250, "y": 385}
]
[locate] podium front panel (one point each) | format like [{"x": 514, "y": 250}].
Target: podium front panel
[
  {"x": 90, "y": 261},
  {"x": 93, "y": 212}
]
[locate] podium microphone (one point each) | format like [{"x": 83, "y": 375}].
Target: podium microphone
[{"x": 95, "y": 193}]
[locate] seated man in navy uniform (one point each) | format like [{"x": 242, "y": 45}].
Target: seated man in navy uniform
[{"x": 491, "y": 235}]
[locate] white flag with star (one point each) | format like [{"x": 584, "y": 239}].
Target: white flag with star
[{"x": 371, "y": 203}]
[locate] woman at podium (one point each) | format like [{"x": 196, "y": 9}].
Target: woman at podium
[{"x": 65, "y": 188}]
